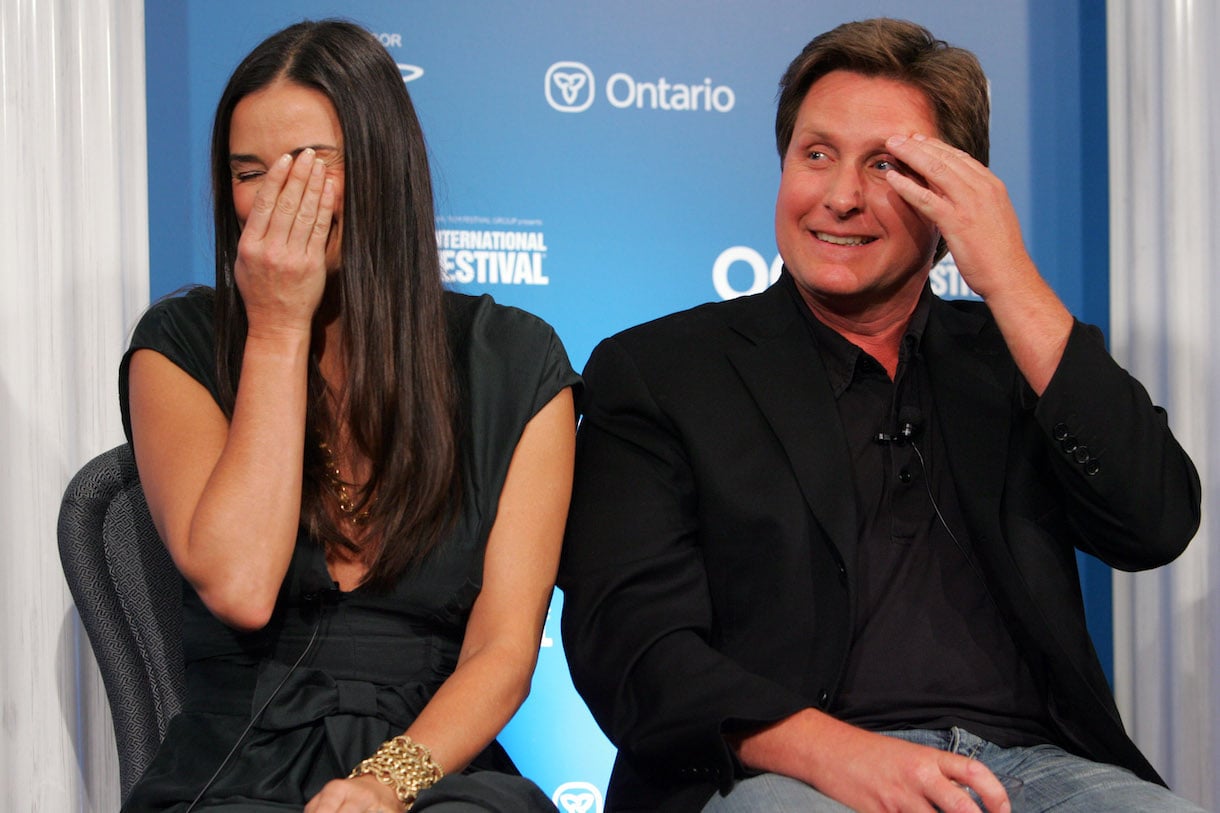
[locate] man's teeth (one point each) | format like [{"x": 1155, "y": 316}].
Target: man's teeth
[{"x": 843, "y": 241}]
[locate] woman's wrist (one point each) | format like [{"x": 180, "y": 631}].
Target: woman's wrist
[{"x": 404, "y": 765}]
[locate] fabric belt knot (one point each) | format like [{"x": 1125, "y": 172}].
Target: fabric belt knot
[
  {"x": 309, "y": 695},
  {"x": 357, "y": 697}
]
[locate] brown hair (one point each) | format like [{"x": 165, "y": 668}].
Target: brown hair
[
  {"x": 951, "y": 78},
  {"x": 401, "y": 394}
]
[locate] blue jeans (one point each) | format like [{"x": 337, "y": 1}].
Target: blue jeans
[{"x": 1054, "y": 780}]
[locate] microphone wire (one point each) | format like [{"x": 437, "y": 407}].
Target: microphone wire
[
  {"x": 259, "y": 712},
  {"x": 927, "y": 484}
]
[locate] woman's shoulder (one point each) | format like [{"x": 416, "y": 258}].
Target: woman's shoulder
[
  {"x": 183, "y": 316},
  {"x": 500, "y": 347},
  {"x": 484, "y": 333},
  {"x": 473, "y": 318},
  {"x": 181, "y": 328}
]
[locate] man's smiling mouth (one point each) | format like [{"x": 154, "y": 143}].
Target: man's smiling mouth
[{"x": 841, "y": 240}]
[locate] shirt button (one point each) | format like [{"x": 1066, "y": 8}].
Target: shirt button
[
  {"x": 904, "y": 476},
  {"x": 823, "y": 699}
]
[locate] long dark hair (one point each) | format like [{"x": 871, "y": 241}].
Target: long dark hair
[{"x": 400, "y": 391}]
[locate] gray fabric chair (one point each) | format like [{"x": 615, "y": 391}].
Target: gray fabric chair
[{"x": 129, "y": 596}]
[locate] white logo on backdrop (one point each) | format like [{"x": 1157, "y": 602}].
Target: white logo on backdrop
[
  {"x": 492, "y": 256},
  {"x": 578, "y": 797},
  {"x": 394, "y": 40},
  {"x": 410, "y": 72},
  {"x": 574, "y": 81},
  {"x": 945, "y": 279},
  {"x": 547, "y": 641},
  {"x": 760, "y": 277},
  {"x": 570, "y": 88}
]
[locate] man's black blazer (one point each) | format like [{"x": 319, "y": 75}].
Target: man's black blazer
[{"x": 709, "y": 561}]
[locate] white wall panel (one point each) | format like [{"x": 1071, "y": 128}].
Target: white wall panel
[
  {"x": 73, "y": 227},
  {"x": 1164, "y": 209}
]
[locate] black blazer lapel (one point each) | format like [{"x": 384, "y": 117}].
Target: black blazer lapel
[{"x": 784, "y": 374}]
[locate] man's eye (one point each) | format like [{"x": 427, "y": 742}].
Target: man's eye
[
  {"x": 816, "y": 155},
  {"x": 885, "y": 165}
]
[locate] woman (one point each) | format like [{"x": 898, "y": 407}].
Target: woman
[{"x": 362, "y": 478}]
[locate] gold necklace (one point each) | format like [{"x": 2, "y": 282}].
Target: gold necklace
[{"x": 339, "y": 486}]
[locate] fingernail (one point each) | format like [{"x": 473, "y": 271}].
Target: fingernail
[
  {"x": 919, "y": 137},
  {"x": 286, "y": 159},
  {"x": 896, "y": 141}
]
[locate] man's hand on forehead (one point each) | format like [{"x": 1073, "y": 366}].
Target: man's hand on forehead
[{"x": 968, "y": 203}]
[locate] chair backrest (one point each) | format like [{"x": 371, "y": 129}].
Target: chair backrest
[{"x": 129, "y": 596}]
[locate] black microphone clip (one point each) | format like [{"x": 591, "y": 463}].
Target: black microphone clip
[
  {"x": 323, "y": 597},
  {"x": 906, "y": 432}
]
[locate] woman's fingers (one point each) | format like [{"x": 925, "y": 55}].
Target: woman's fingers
[
  {"x": 288, "y": 202},
  {"x": 296, "y": 208},
  {"x": 292, "y": 198},
  {"x": 319, "y": 230},
  {"x": 281, "y": 257},
  {"x": 358, "y": 795},
  {"x": 265, "y": 201}
]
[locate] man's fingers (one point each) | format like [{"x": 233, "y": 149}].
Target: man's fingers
[
  {"x": 923, "y": 199},
  {"x": 974, "y": 775},
  {"x": 940, "y": 164}
]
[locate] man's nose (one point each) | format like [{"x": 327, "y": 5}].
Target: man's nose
[{"x": 845, "y": 195}]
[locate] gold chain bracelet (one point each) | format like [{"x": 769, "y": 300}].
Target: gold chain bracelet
[{"x": 403, "y": 764}]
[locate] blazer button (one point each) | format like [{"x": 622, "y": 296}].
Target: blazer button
[
  {"x": 1081, "y": 455},
  {"x": 1092, "y": 467},
  {"x": 1060, "y": 431},
  {"x": 904, "y": 476},
  {"x": 823, "y": 699},
  {"x": 1069, "y": 444}
]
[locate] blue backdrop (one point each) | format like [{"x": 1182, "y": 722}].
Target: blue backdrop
[{"x": 603, "y": 164}]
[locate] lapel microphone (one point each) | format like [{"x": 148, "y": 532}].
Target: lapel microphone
[
  {"x": 322, "y": 596},
  {"x": 910, "y": 421}
]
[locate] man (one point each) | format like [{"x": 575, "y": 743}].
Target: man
[{"x": 821, "y": 548}]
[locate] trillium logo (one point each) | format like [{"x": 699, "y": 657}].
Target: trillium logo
[
  {"x": 410, "y": 72},
  {"x": 578, "y": 797},
  {"x": 572, "y": 82}
]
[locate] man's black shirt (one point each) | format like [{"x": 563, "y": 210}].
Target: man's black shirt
[{"x": 929, "y": 647}]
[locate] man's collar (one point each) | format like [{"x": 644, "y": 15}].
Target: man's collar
[{"x": 840, "y": 355}]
